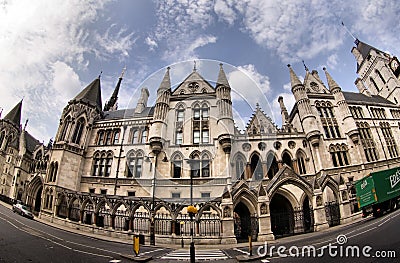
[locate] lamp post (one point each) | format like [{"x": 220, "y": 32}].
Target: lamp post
[
  {"x": 192, "y": 212},
  {"x": 152, "y": 223}
]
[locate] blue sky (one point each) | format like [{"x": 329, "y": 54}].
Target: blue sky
[{"x": 52, "y": 49}]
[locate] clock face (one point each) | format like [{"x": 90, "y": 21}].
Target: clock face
[{"x": 394, "y": 64}]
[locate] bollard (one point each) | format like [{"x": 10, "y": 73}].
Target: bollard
[
  {"x": 250, "y": 246},
  {"x": 136, "y": 246}
]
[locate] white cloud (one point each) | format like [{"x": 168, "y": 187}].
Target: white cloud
[
  {"x": 225, "y": 11},
  {"x": 151, "y": 43},
  {"x": 332, "y": 61},
  {"x": 41, "y": 42}
]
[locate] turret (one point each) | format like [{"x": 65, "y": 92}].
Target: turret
[
  {"x": 361, "y": 87},
  {"x": 307, "y": 117},
  {"x": 11, "y": 126},
  {"x": 159, "y": 126},
  {"x": 348, "y": 120},
  {"x": 284, "y": 112},
  {"x": 224, "y": 103},
  {"x": 142, "y": 102}
]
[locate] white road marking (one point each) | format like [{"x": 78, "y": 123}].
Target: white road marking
[{"x": 242, "y": 251}]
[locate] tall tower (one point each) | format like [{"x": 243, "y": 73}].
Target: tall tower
[
  {"x": 378, "y": 70},
  {"x": 75, "y": 127},
  {"x": 307, "y": 117},
  {"x": 225, "y": 122},
  {"x": 347, "y": 118},
  {"x": 111, "y": 104},
  {"x": 159, "y": 126}
]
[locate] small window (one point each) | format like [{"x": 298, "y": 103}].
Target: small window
[
  {"x": 92, "y": 190},
  {"x": 131, "y": 193},
  {"x": 176, "y": 195},
  {"x": 144, "y": 136},
  {"x": 180, "y": 115},
  {"x": 179, "y": 137},
  {"x": 205, "y": 195},
  {"x": 103, "y": 191},
  {"x": 116, "y": 137},
  {"x": 196, "y": 137}
]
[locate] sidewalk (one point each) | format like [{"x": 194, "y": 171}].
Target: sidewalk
[{"x": 177, "y": 246}]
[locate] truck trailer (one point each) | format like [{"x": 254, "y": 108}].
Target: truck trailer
[{"x": 379, "y": 192}]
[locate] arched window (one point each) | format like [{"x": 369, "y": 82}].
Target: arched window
[
  {"x": 108, "y": 163},
  {"x": 96, "y": 165},
  {"x": 240, "y": 166},
  {"x": 339, "y": 155},
  {"x": 301, "y": 165},
  {"x": 2, "y": 136},
  {"x": 200, "y": 124},
  {"x": 102, "y": 165},
  {"x": 256, "y": 167},
  {"x": 116, "y": 136},
  {"x": 144, "y": 136},
  {"x": 374, "y": 84},
  {"x": 287, "y": 159},
  {"x": 65, "y": 128},
  {"x": 80, "y": 124},
  {"x": 205, "y": 166},
  {"x": 195, "y": 165},
  {"x": 100, "y": 139},
  {"x": 50, "y": 174},
  {"x": 135, "y": 163},
  {"x": 108, "y": 137},
  {"x": 135, "y": 136},
  {"x": 54, "y": 175},
  {"x": 177, "y": 164},
  {"x": 272, "y": 164}
]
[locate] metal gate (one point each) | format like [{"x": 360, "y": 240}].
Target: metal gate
[
  {"x": 288, "y": 223},
  {"x": 332, "y": 212}
]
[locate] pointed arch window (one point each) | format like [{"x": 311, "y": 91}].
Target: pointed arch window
[
  {"x": 177, "y": 167},
  {"x": 201, "y": 133},
  {"x": 108, "y": 163},
  {"x": 108, "y": 137},
  {"x": 100, "y": 138},
  {"x": 116, "y": 136},
  {"x": 301, "y": 165},
  {"x": 328, "y": 120},
  {"x": 339, "y": 155},
  {"x": 367, "y": 141},
  {"x": 240, "y": 165},
  {"x": 135, "y": 136},
  {"x": 135, "y": 163},
  {"x": 80, "y": 124},
  {"x": 256, "y": 167},
  {"x": 205, "y": 166},
  {"x": 96, "y": 165},
  {"x": 2, "y": 136},
  {"x": 389, "y": 139},
  {"x": 272, "y": 165},
  {"x": 287, "y": 159},
  {"x": 65, "y": 128},
  {"x": 144, "y": 136}
]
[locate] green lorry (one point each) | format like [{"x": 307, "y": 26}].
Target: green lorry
[{"x": 379, "y": 192}]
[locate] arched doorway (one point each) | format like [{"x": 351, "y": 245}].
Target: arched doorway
[
  {"x": 282, "y": 216},
  {"x": 243, "y": 222},
  {"x": 38, "y": 199}
]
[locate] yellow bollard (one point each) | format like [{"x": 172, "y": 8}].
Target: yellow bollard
[
  {"x": 250, "y": 246},
  {"x": 136, "y": 246}
]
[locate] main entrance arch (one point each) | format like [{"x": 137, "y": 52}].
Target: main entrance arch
[
  {"x": 282, "y": 216},
  {"x": 245, "y": 224}
]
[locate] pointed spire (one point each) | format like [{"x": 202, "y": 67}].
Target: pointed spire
[
  {"x": 294, "y": 80},
  {"x": 92, "y": 93},
  {"x": 26, "y": 124},
  {"x": 15, "y": 114},
  {"x": 112, "y": 103},
  {"x": 305, "y": 67},
  {"x": 166, "y": 82},
  {"x": 194, "y": 66},
  {"x": 222, "y": 79},
  {"x": 284, "y": 112},
  {"x": 331, "y": 83}
]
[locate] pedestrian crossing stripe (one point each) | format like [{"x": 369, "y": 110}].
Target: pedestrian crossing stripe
[{"x": 200, "y": 255}]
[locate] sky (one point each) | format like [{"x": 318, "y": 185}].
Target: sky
[{"x": 50, "y": 50}]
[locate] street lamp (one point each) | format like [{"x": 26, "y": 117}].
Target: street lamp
[{"x": 192, "y": 210}]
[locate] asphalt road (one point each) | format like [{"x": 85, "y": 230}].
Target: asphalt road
[
  {"x": 370, "y": 240},
  {"x": 24, "y": 240}
]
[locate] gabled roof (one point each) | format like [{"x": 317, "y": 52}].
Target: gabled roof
[
  {"x": 313, "y": 83},
  {"x": 359, "y": 98},
  {"x": 194, "y": 77},
  {"x": 261, "y": 122},
  {"x": 91, "y": 94},
  {"x": 31, "y": 142},
  {"x": 15, "y": 114}
]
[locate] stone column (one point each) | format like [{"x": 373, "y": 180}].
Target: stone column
[
  {"x": 227, "y": 224},
  {"x": 265, "y": 169},
  {"x": 264, "y": 222},
  {"x": 247, "y": 174},
  {"x": 344, "y": 205},
  {"x": 320, "y": 221}
]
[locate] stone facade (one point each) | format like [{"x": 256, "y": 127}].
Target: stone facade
[{"x": 136, "y": 170}]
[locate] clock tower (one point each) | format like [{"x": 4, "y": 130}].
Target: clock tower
[{"x": 378, "y": 71}]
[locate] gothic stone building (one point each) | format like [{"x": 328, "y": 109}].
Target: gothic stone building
[{"x": 119, "y": 172}]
